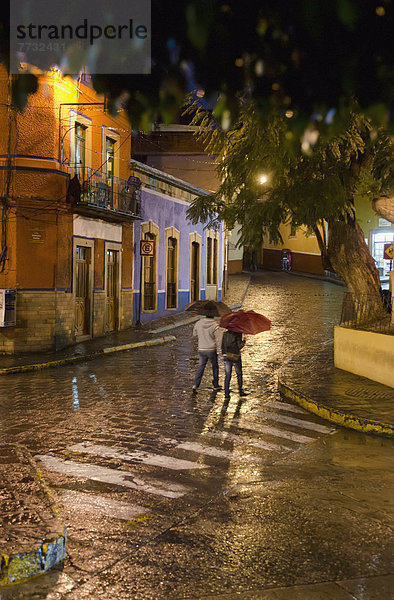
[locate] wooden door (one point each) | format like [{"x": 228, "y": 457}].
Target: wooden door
[
  {"x": 149, "y": 266},
  {"x": 82, "y": 291},
  {"x": 112, "y": 291}
]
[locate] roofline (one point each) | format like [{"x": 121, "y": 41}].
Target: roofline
[{"x": 184, "y": 185}]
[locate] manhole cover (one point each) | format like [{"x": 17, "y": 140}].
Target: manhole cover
[{"x": 362, "y": 392}]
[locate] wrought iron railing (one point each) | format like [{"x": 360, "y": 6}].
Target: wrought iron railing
[
  {"x": 104, "y": 191},
  {"x": 368, "y": 312}
]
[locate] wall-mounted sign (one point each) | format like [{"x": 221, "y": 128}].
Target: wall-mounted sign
[
  {"x": 36, "y": 235},
  {"x": 388, "y": 251},
  {"x": 147, "y": 248},
  {"x": 7, "y": 307}
]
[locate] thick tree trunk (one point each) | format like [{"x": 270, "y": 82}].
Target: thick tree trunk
[
  {"x": 321, "y": 240},
  {"x": 385, "y": 207},
  {"x": 352, "y": 260}
]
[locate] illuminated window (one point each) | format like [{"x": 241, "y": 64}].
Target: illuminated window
[
  {"x": 80, "y": 151},
  {"x": 110, "y": 160},
  {"x": 293, "y": 230}
]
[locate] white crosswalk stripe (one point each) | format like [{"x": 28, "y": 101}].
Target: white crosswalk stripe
[
  {"x": 147, "y": 458},
  {"x": 211, "y": 451},
  {"x": 239, "y": 435},
  {"x": 101, "y": 506},
  {"x": 225, "y": 435},
  {"x": 271, "y": 416},
  {"x": 281, "y": 433},
  {"x": 286, "y": 406},
  {"x": 112, "y": 476}
]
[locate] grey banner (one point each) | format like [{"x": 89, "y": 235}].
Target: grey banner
[{"x": 96, "y": 36}]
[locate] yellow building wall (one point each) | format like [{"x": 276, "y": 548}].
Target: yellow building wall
[
  {"x": 42, "y": 133},
  {"x": 365, "y": 353},
  {"x": 304, "y": 247}
]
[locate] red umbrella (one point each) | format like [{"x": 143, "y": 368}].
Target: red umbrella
[{"x": 245, "y": 321}]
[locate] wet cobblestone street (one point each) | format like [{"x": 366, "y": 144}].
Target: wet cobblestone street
[
  {"x": 134, "y": 396},
  {"x": 171, "y": 495}
]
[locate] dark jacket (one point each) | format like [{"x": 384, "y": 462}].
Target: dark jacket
[{"x": 232, "y": 342}]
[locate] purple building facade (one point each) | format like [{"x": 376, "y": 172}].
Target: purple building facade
[{"x": 182, "y": 262}]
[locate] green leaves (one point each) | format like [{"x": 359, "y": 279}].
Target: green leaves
[{"x": 357, "y": 163}]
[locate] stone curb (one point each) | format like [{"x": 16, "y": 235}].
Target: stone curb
[
  {"x": 21, "y": 566},
  {"x": 336, "y": 416},
  {"x": 82, "y": 357}
]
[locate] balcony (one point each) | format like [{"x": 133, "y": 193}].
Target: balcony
[{"x": 109, "y": 197}]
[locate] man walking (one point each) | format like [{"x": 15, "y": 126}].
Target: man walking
[{"x": 208, "y": 334}]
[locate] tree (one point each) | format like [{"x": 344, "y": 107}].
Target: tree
[{"x": 316, "y": 187}]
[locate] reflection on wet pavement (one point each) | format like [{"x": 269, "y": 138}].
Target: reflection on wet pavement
[{"x": 126, "y": 430}]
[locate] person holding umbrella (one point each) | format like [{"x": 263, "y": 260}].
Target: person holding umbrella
[
  {"x": 208, "y": 332},
  {"x": 232, "y": 344},
  {"x": 237, "y": 323}
]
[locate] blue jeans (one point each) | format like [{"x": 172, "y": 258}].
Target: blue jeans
[
  {"x": 228, "y": 369},
  {"x": 203, "y": 358}
]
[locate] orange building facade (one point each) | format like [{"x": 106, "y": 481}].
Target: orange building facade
[{"x": 67, "y": 213}]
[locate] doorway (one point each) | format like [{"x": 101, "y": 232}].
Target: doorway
[
  {"x": 112, "y": 290},
  {"x": 82, "y": 291},
  {"x": 378, "y": 240}
]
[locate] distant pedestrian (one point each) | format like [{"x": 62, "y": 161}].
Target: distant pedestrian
[
  {"x": 253, "y": 262},
  {"x": 232, "y": 344},
  {"x": 208, "y": 333}
]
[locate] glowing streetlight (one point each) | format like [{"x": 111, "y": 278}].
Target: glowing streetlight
[{"x": 263, "y": 179}]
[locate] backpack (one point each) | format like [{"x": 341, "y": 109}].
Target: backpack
[{"x": 231, "y": 346}]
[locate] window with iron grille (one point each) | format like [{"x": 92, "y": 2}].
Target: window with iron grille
[
  {"x": 195, "y": 272},
  {"x": 209, "y": 260},
  {"x": 215, "y": 262},
  {"x": 171, "y": 272},
  {"x": 80, "y": 151}
]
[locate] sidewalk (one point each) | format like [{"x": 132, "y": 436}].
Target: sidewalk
[
  {"x": 33, "y": 538},
  {"x": 338, "y": 396}
]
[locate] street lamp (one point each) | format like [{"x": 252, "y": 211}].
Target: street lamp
[{"x": 263, "y": 179}]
